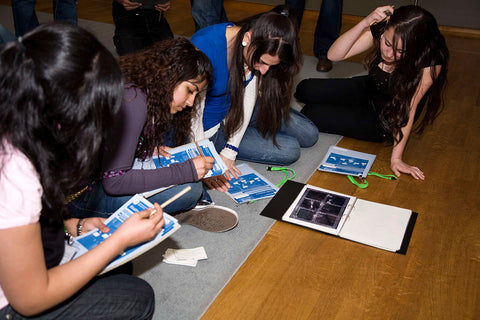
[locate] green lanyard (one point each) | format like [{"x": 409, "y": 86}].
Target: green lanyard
[
  {"x": 286, "y": 171},
  {"x": 364, "y": 183}
]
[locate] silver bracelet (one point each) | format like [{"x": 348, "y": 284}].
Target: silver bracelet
[{"x": 79, "y": 227}]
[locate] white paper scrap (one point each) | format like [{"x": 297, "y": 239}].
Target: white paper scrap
[{"x": 185, "y": 257}]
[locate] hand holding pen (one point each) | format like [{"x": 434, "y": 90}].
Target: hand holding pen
[
  {"x": 202, "y": 164},
  {"x": 146, "y": 224}
]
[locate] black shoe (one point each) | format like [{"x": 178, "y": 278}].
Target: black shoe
[{"x": 324, "y": 65}]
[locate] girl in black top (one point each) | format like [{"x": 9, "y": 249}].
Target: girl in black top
[{"x": 407, "y": 69}]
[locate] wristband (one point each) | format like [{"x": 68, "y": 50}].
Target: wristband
[{"x": 229, "y": 146}]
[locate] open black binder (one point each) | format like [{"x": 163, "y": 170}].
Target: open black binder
[{"x": 378, "y": 225}]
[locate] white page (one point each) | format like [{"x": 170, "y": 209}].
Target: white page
[{"x": 377, "y": 225}]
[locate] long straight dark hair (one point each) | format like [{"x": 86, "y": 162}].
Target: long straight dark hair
[
  {"x": 425, "y": 46},
  {"x": 273, "y": 33},
  {"x": 59, "y": 87}
]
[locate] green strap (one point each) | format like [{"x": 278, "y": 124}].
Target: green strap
[
  {"x": 364, "y": 183},
  {"x": 286, "y": 171}
]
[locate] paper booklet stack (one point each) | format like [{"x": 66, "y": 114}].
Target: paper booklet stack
[
  {"x": 91, "y": 239},
  {"x": 348, "y": 162},
  {"x": 250, "y": 186},
  {"x": 374, "y": 224},
  {"x": 179, "y": 155}
]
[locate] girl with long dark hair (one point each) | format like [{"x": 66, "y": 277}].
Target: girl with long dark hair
[
  {"x": 407, "y": 73},
  {"x": 254, "y": 62},
  {"x": 161, "y": 87},
  {"x": 59, "y": 90}
]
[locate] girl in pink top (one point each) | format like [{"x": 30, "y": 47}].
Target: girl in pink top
[{"x": 59, "y": 87}]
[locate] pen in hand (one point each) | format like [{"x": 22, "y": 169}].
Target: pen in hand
[{"x": 199, "y": 149}]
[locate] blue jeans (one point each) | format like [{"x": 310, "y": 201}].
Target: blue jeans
[
  {"x": 116, "y": 296},
  {"x": 25, "y": 18},
  {"x": 207, "y": 12},
  {"x": 94, "y": 202},
  {"x": 328, "y": 26},
  {"x": 298, "y": 132},
  {"x": 6, "y": 35}
]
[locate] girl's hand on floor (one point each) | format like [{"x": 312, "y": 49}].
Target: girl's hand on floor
[
  {"x": 232, "y": 169},
  {"x": 398, "y": 166}
]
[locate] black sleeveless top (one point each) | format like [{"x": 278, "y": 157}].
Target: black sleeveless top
[{"x": 53, "y": 240}]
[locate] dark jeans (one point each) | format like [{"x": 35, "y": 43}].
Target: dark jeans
[
  {"x": 296, "y": 133},
  {"x": 25, "y": 18},
  {"x": 207, "y": 12},
  {"x": 138, "y": 29},
  {"x": 117, "y": 296},
  {"x": 96, "y": 203},
  {"x": 340, "y": 106},
  {"x": 329, "y": 23}
]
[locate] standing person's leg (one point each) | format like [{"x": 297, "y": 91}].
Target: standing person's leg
[
  {"x": 327, "y": 31},
  {"x": 65, "y": 10},
  {"x": 157, "y": 26},
  {"x": 299, "y": 7},
  {"x": 207, "y": 12},
  {"x": 130, "y": 29},
  {"x": 6, "y": 35},
  {"x": 118, "y": 296},
  {"x": 24, "y": 16}
]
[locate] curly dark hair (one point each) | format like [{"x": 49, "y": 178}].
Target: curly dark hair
[
  {"x": 59, "y": 87},
  {"x": 157, "y": 70},
  {"x": 273, "y": 33},
  {"x": 424, "y": 45}
]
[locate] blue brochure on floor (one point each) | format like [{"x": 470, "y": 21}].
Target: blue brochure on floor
[
  {"x": 182, "y": 154},
  {"x": 250, "y": 186},
  {"x": 348, "y": 162},
  {"x": 137, "y": 203}
]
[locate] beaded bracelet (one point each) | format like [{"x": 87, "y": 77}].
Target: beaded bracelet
[
  {"x": 79, "y": 227},
  {"x": 229, "y": 146}
]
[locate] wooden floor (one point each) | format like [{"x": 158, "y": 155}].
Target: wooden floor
[{"x": 295, "y": 273}]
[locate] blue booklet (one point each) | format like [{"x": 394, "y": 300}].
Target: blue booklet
[
  {"x": 183, "y": 153},
  {"x": 250, "y": 186},
  {"x": 348, "y": 162},
  {"x": 91, "y": 239}
]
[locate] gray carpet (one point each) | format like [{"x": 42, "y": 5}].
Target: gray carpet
[{"x": 185, "y": 292}]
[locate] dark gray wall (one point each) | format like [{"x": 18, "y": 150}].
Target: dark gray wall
[{"x": 457, "y": 13}]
